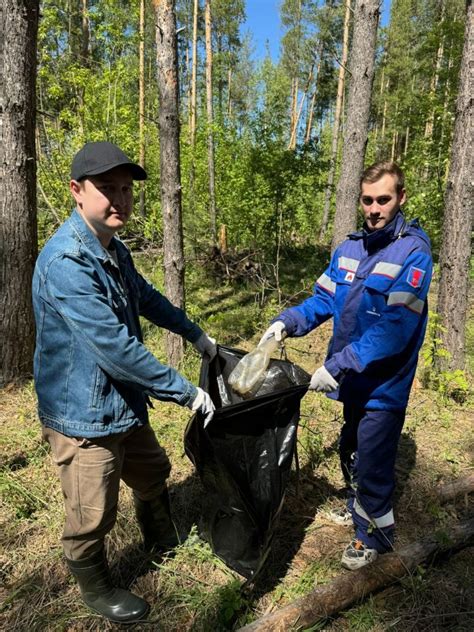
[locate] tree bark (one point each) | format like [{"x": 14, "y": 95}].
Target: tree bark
[
  {"x": 337, "y": 121},
  {"x": 458, "y": 216},
  {"x": 309, "y": 123},
  {"x": 210, "y": 122},
  {"x": 141, "y": 101},
  {"x": 18, "y": 236},
  {"x": 459, "y": 487},
  {"x": 347, "y": 588},
  {"x": 85, "y": 33},
  {"x": 170, "y": 177},
  {"x": 229, "y": 94},
  {"x": 434, "y": 79},
  {"x": 294, "y": 130},
  {"x": 192, "y": 126},
  {"x": 294, "y": 107},
  {"x": 361, "y": 70}
]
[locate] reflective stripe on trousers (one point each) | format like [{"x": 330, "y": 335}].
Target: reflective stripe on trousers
[{"x": 368, "y": 448}]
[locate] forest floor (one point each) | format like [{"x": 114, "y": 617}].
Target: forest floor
[{"x": 194, "y": 590}]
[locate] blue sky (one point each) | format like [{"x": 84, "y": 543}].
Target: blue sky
[{"x": 263, "y": 22}]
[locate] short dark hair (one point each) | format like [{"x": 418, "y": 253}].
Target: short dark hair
[{"x": 379, "y": 169}]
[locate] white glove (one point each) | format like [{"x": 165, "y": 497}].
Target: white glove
[
  {"x": 322, "y": 381},
  {"x": 276, "y": 329},
  {"x": 203, "y": 403},
  {"x": 206, "y": 345}
]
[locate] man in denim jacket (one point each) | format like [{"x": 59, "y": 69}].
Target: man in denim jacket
[
  {"x": 94, "y": 376},
  {"x": 375, "y": 289}
]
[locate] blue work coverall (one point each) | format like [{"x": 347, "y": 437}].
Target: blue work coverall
[{"x": 375, "y": 289}]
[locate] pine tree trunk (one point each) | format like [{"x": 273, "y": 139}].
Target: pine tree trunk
[
  {"x": 141, "y": 101},
  {"x": 192, "y": 127},
  {"x": 384, "y": 117},
  {"x": 192, "y": 109},
  {"x": 18, "y": 238},
  {"x": 337, "y": 121},
  {"x": 210, "y": 121},
  {"x": 85, "y": 33},
  {"x": 458, "y": 216},
  {"x": 229, "y": 94},
  {"x": 382, "y": 79},
  {"x": 444, "y": 116},
  {"x": 361, "y": 69},
  {"x": 170, "y": 177},
  {"x": 434, "y": 79}
]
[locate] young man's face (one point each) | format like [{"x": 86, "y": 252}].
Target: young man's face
[
  {"x": 105, "y": 201},
  {"x": 380, "y": 201}
]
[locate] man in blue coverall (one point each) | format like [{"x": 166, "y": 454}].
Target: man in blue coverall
[
  {"x": 94, "y": 377},
  {"x": 375, "y": 289}
]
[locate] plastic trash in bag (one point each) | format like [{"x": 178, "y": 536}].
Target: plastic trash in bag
[
  {"x": 244, "y": 456},
  {"x": 249, "y": 374}
]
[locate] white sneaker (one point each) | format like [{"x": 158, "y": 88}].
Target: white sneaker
[
  {"x": 340, "y": 516},
  {"x": 357, "y": 554}
]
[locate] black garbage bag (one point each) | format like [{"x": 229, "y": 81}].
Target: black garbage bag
[{"x": 244, "y": 456}]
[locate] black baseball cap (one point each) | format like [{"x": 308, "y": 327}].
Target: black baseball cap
[{"x": 102, "y": 156}]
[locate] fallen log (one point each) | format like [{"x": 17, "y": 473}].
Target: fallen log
[
  {"x": 460, "y": 486},
  {"x": 351, "y": 586}
]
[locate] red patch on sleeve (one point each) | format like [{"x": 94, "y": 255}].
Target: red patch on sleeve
[{"x": 415, "y": 276}]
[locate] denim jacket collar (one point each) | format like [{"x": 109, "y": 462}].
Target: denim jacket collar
[{"x": 91, "y": 241}]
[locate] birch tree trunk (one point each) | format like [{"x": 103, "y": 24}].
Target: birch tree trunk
[
  {"x": 294, "y": 130},
  {"x": 361, "y": 70},
  {"x": 210, "y": 121},
  {"x": 18, "y": 237},
  {"x": 337, "y": 121},
  {"x": 309, "y": 123},
  {"x": 141, "y": 101},
  {"x": 170, "y": 177},
  {"x": 458, "y": 215}
]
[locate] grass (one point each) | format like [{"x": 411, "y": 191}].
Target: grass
[{"x": 194, "y": 590}]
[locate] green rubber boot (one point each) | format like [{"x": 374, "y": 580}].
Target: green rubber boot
[
  {"x": 116, "y": 604},
  {"x": 157, "y": 527}
]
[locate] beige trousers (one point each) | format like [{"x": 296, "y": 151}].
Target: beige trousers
[{"x": 90, "y": 471}]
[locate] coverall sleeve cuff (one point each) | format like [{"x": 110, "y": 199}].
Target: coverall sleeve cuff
[
  {"x": 291, "y": 323},
  {"x": 333, "y": 368},
  {"x": 345, "y": 360}
]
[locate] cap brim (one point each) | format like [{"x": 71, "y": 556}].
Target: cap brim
[{"x": 138, "y": 173}]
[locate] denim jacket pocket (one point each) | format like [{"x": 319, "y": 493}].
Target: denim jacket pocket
[{"x": 97, "y": 395}]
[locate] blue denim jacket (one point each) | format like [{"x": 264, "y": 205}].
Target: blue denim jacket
[{"x": 93, "y": 375}]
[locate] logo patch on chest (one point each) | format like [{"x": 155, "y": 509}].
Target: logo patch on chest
[
  {"x": 415, "y": 276},
  {"x": 349, "y": 277}
]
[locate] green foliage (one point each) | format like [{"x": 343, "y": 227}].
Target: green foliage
[
  {"x": 267, "y": 196},
  {"x": 450, "y": 384},
  {"x": 414, "y": 100},
  {"x": 312, "y": 442},
  {"x": 365, "y": 617},
  {"x": 19, "y": 495}
]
